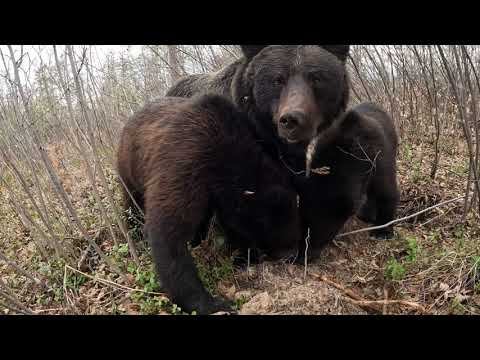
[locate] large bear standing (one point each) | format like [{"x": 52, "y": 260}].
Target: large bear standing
[
  {"x": 182, "y": 160},
  {"x": 292, "y": 93}
]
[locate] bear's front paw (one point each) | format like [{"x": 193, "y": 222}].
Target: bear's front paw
[{"x": 212, "y": 306}]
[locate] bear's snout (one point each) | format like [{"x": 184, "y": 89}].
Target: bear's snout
[
  {"x": 298, "y": 112},
  {"x": 295, "y": 126},
  {"x": 292, "y": 120}
]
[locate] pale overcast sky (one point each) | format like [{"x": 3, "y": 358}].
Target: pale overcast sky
[{"x": 46, "y": 52}]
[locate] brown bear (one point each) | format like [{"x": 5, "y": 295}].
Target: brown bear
[
  {"x": 184, "y": 159},
  {"x": 359, "y": 151}
]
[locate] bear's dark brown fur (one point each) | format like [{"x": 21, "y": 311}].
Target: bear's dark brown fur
[
  {"x": 184, "y": 159},
  {"x": 360, "y": 151}
]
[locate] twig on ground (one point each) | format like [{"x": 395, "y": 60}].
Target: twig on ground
[
  {"x": 389, "y": 302},
  {"x": 349, "y": 292},
  {"x": 401, "y": 219},
  {"x": 385, "y": 296},
  {"x": 438, "y": 216},
  {"x": 111, "y": 283},
  {"x": 46, "y": 310},
  {"x": 369, "y": 304},
  {"x": 307, "y": 239}
]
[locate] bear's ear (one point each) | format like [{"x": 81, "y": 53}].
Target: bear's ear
[
  {"x": 350, "y": 125},
  {"x": 249, "y": 51},
  {"x": 340, "y": 51}
]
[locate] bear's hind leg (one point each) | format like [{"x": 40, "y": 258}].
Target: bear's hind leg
[{"x": 368, "y": 210}]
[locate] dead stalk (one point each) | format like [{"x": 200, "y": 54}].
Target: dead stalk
[{"x": 401, "y": 219}]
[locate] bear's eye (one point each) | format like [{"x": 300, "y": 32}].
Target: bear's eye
[
  {"x": 279, "y": 80},
  {"x": 318, "y": 81}
]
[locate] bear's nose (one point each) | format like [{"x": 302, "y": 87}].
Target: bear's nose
[{"x": 292, "y": 120}]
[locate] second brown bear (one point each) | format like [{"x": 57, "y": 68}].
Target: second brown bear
[{"x": 182, "y": 160}]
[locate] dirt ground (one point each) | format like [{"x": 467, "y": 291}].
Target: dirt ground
[{"x": 349, "y": 272}]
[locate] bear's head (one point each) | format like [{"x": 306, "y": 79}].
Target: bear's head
[{"x": 296, "y": 91}]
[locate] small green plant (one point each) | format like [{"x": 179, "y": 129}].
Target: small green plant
[
  {"x": 121, "y": 250},
  {"x": 131, "y": 267},
  {"x": 435, "y": 236},
  {"x": 456, "y": 307},
  {"x": 394, "y": 270},
  {"x": 412, "y": 249},
  {"x": 218, "y": 242},
  {"x": 407, "y": 151},
  {"x": 459, "y": 231},
  {"x": 239, "y": 302},
  {"x": 461, "y": 169},
  {"x": 153, "y": 304},
  {"x": 212, "y": 275},
  {"x": 52, "y": 269},
  {"x": 75, "y": 280},
  {"x": 120, "y": 254},
  {"x": 476, "y": 263},
  {"x": 476, "y": 288},
  {"x": 149, "y": 305},
  {"x": 176, "y": 310},
  {"x": 476, "y": 272},
  {"x": 147, "y": 279},
  {"x": 417, "y": 174},
  {"x": 114, "y": 309}
]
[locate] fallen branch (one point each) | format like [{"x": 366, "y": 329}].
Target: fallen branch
[
  {"x": 401, "y": 219},
  {"x": 389, "y": 302},
  {"x": 349, "y": 292},
  {"x": 111, "y": 283},
  {"x": 438, "y": 216},
  {"x": 47, "y": 310},
  {"x": 375, "y": 305}
]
